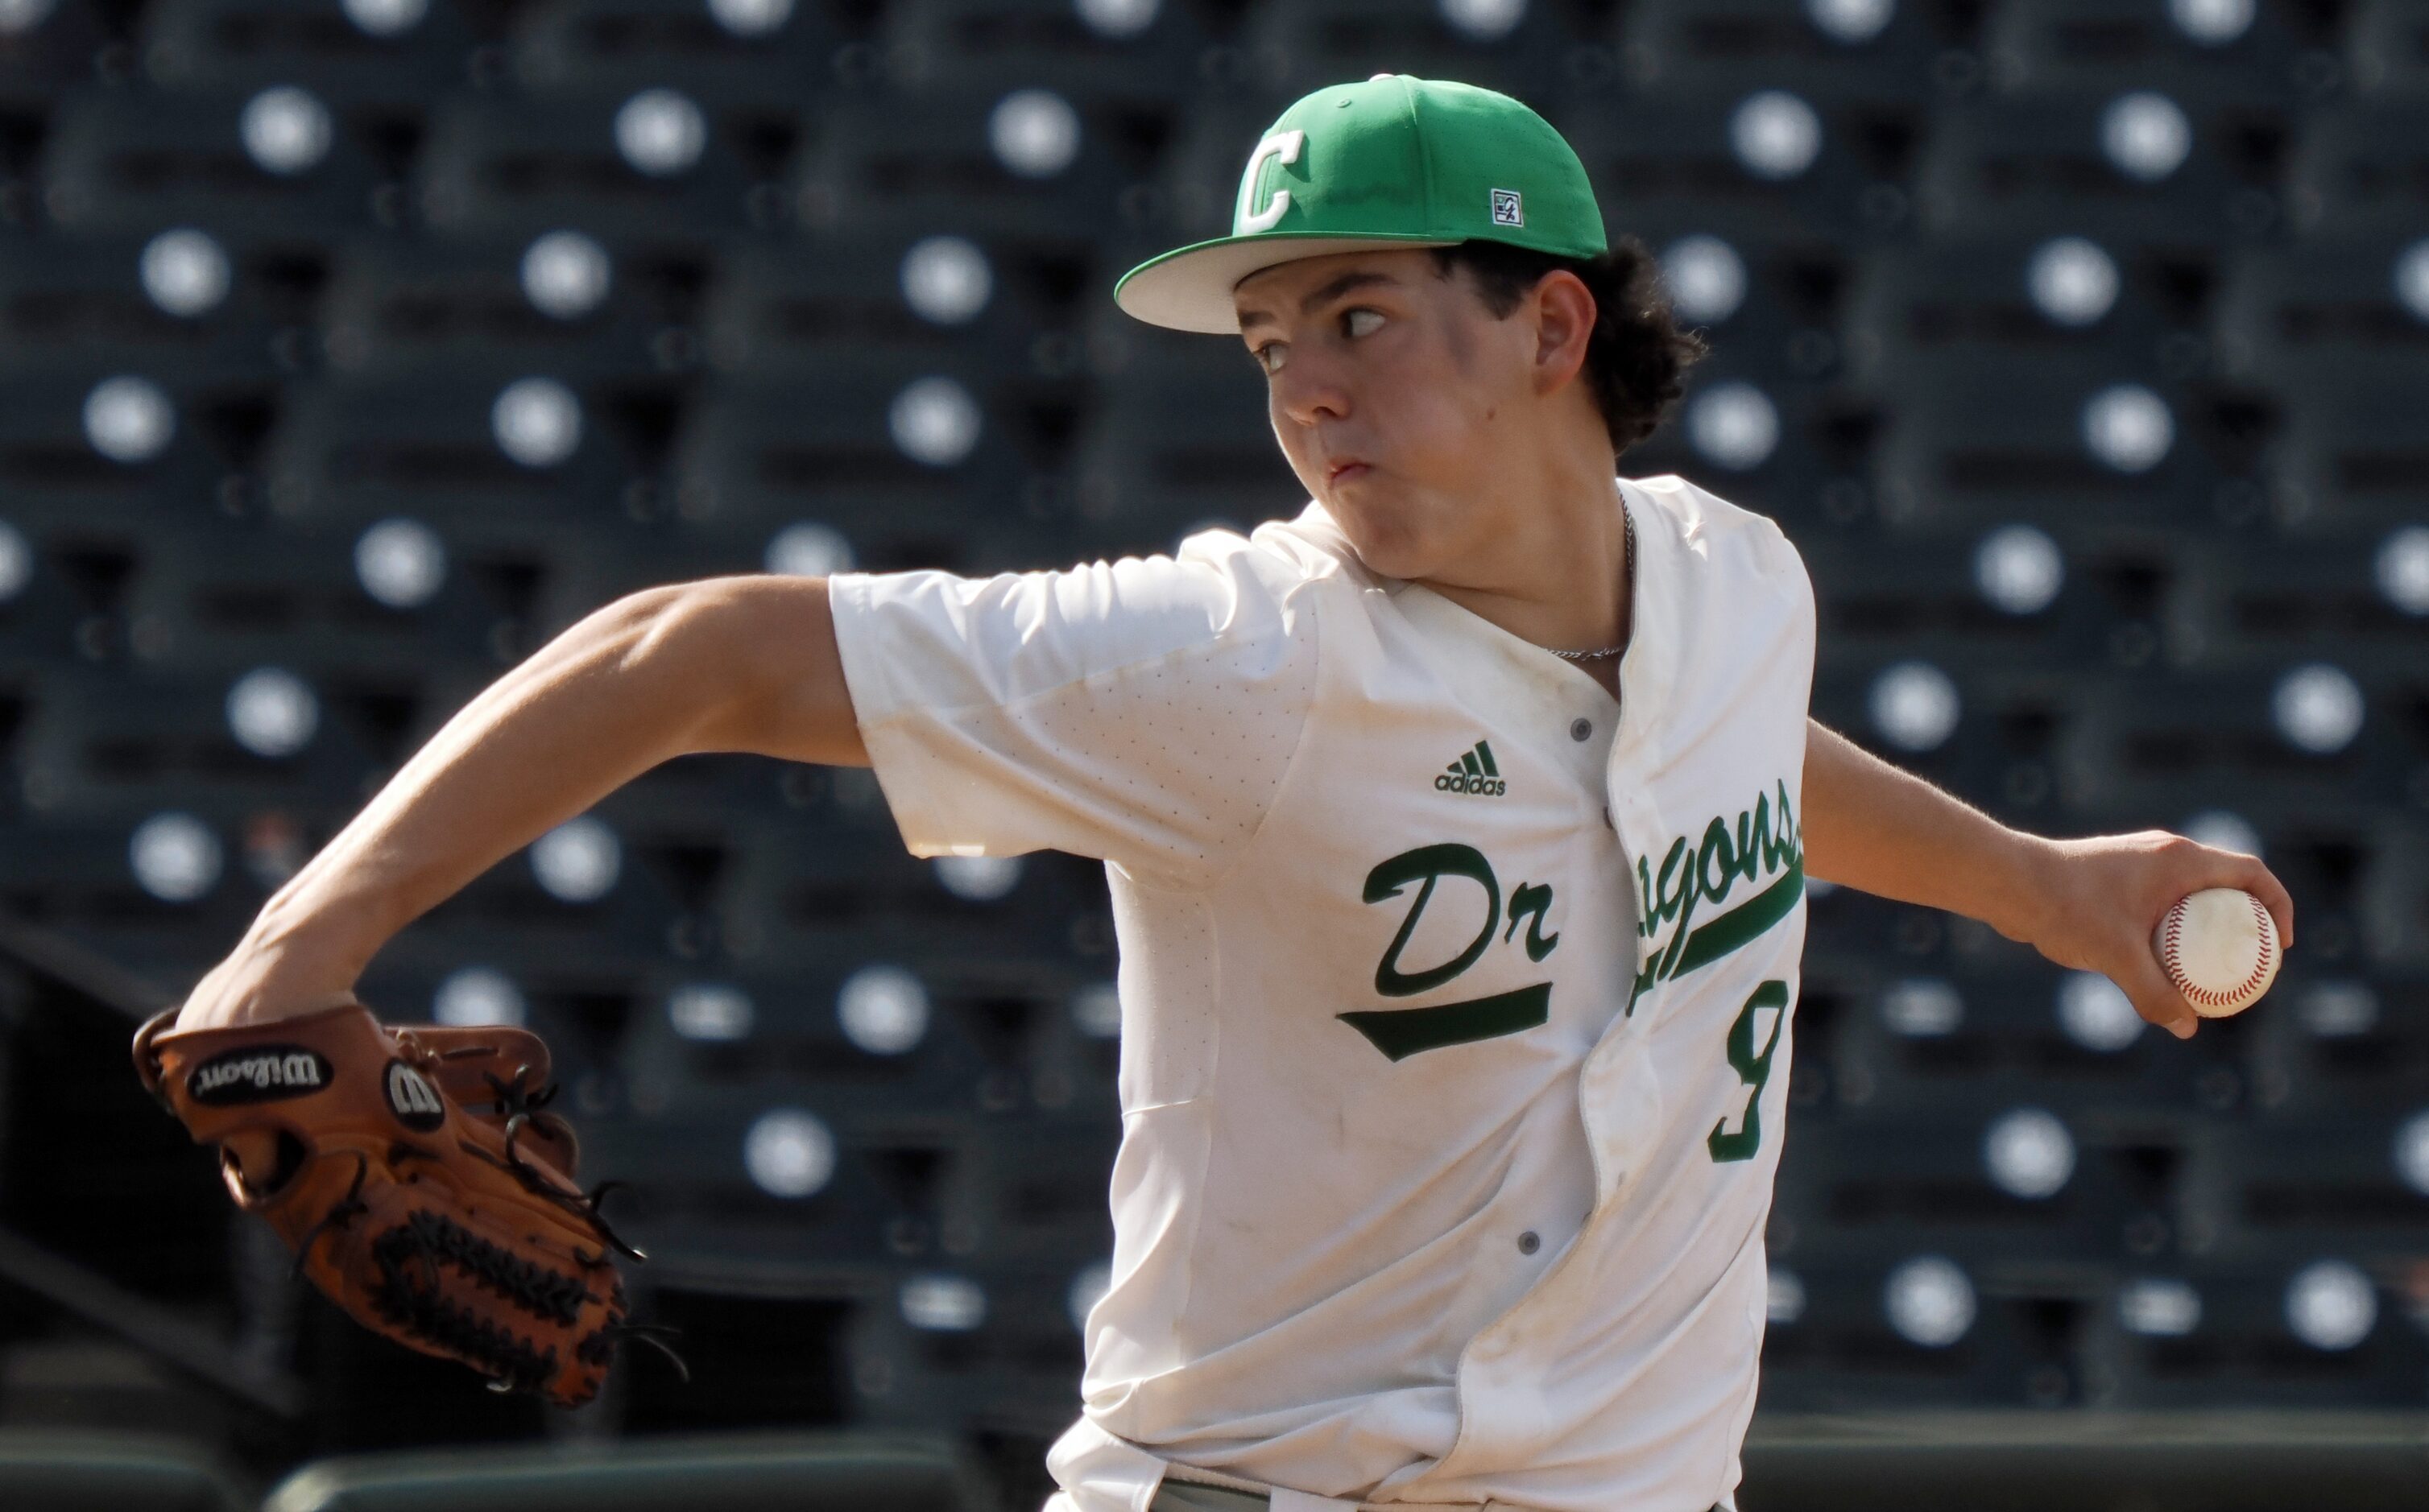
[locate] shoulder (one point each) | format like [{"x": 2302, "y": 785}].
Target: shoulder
[
  {"x": 1227, "y": 607},
  {"x": 1697, "y": 514},
  {"x": 1212, "y": 583},
  {"x": 1286, "y": 554}
]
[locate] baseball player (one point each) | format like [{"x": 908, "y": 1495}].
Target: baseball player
[{"x": 1458, "y": 829}]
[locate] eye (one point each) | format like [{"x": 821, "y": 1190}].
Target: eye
[
  {"x": 1272, "y": 356},
  {"x": 1360, "y": 321}
]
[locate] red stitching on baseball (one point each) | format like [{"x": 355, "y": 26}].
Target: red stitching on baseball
[{"x": 2169, "y": 950}]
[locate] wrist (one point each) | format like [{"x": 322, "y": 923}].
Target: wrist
[
  {"x": 288, "y": 963},
  {"x": 2024, "y": 886},
  {"x": 312, "y": 932}
]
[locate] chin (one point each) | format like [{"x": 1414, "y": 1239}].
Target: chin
[
  {"x": 1394, "y": 553},
  {"x": 1389, "y": 532}
]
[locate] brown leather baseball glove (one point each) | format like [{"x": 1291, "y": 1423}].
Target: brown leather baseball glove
[{"x": 417, "y": 1179}]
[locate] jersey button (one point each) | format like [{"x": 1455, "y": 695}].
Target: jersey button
[
  {"x": 1528, "y": 1243},
  {"x": 1580, "y": 728}
]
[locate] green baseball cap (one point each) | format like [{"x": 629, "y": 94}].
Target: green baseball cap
[{"x": 1396, "y": 161}]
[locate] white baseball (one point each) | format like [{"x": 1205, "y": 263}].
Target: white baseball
[{"x": 2220, "y": 948}]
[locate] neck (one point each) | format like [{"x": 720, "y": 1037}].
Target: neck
[{"x": 1551, "y": 569}]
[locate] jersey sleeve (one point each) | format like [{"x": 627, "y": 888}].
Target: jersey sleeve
[{"x": 1142, "y": 711}]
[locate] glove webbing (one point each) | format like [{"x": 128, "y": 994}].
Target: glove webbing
[{"x": 426, "y": 1238}]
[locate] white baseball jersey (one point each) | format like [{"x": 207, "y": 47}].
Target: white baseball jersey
[{"x": 1455, "y": 996}]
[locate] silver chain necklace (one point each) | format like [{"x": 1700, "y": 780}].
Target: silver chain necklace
[{"x": 1630, "y": 516}]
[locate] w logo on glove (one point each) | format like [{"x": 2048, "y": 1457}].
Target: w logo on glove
[{"x": 413, "y": 1101}]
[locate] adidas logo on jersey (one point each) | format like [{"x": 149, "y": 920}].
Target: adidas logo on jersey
[{"x": 1473, "y": 773}]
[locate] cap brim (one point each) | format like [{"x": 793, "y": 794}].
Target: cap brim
[{"x": 1190, "y": 288}]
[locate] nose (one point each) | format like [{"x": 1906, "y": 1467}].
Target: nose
[{"x": 1309, "y": 390}]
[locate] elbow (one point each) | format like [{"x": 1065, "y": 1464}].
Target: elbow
[
  {"x": 757, "y": 653},
  {"x": 695, "y": 617},
  {"x": 648, "y": 625},
  {"x": 666, "y": 649}
]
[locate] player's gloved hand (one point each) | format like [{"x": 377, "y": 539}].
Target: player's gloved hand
[
  {"x": 418, "y": 1177},
  {"x": 2098, "y": 898}
]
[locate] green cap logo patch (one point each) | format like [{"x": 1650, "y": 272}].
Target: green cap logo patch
[{"x": 1282, "y": 147}]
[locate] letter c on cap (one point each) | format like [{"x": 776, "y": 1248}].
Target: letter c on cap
[{"x": 1282, "y": 146}]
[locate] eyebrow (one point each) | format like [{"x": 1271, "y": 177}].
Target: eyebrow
[{"x": 1325, "y": 295}]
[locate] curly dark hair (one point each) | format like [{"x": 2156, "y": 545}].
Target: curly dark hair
[{"x": 1636, "y": 359}]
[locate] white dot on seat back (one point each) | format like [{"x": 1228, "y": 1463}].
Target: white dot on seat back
[
  {"x": 943, "y": 1304},
  {"x": 565, "y": 274},
  {"x": 1034, "y": 133},
  {"x": 789, "y": 1153},
  {"x": 2129, "y": 427},
  {"x": 286, "y": 130},
  {"x": 1776, "y": 135},
  {"x": 1117, "y": 18},
  {"x": 751, "y": 18},
  {"x": 2318, "y": 708},
  {"x": 934, "y": 421},
  {"x": 1733, "y": 425},
  {"x": 661, "y": 132},
  {"x": 478, "y": 996},
  {"x": 272, "y": 712},
  {"x": 18, "y": 17},
  {"x": 710, "y": 1011},
  {"x": 175, "y": 857},
  {"x": 2212, "y": 23},
  {"x": 1483, "y": 21},
  {"x": 578, "y": 860},
  {"x": 128, "y": 418},
  {"x": 2028, "y": 1153},
  {"x": 385, "y": 18},
  {"x": 1706, "y": 277},
  {"x": 401, "y": 562},
  {"x": 1783, "y": 1300},
  {"x": 2072, "y": 281},
  {"x": 1087, "y": 1289},
  {"x": 808, "y": 549},
  {"x": 2145, "y": 135},
  {"x": 2160, "y": 1308},
  {"x": 2330, "y": 1304},
  {"x": 946, "y": 279},
  {"x": 883, "y": 1009},
  {"x": 2096, "y": 1014},
  {"x": 185, "y": 273},
  {"x": 536, "y": 421},
  {"x": 2224, "y": 829},
  {"x": 1929, "y": 1301},
  {"x": 2401, "y": 568},
  {"x": 1850, "y": 21},
  {"x": 1914, "y": 705},
  {"x": 16, "y": 561},
  {"x": 2018, "y": 569}
]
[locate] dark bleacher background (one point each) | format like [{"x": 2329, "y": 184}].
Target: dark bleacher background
[{"x": 350, "y": 351}]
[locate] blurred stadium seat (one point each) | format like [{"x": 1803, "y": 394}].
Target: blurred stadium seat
[
  {"x": 352, "y": 348},
  {"x": 111, "y": 1472},
  {"x": 750, "y": 1471}
]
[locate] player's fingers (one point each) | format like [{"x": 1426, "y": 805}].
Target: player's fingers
[
  {"x": 2156, "y": 998},
  {"x": 2250, "y": 874},
  {"x": 2263, "y": 884}
]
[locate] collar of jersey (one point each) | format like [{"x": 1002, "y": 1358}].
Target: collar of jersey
[{"x": 1643, "y": 668}]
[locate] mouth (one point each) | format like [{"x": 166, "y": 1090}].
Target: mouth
[{"x": 1345, "y": 472}]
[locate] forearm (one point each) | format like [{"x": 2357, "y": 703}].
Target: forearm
[
  {"x": 1875, "y": 828},
  {"x": 629, "y": 686}
]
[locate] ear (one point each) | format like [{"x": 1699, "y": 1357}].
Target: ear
[{"x": 1564, "y": 312}]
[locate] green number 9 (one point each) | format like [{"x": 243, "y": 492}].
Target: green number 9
[{"x": 1753, "y": 1069}]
